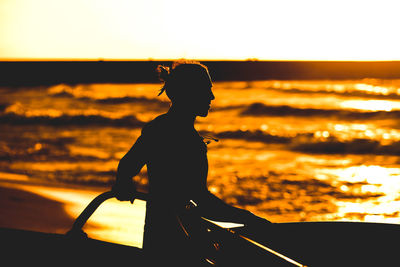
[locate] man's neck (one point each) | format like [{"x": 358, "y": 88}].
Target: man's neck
[{"x": 181, "y": 114}]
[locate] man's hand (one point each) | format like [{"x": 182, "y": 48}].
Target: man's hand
[{"x": 125, "y": 190}]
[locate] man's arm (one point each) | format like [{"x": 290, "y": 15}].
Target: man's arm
[{"x": 129, "y": 166}]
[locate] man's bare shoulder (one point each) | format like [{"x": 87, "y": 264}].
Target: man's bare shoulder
[{"x": 156, "y": 126}]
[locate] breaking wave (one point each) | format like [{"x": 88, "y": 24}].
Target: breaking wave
[
  {"x": 355, "y": 146},
  {"x": 344, "y": 93},
  {"x": 307, "y": 143},
  {"x": 257, "y": 135},
  {"x": 113, "y": 100},
  {"x": 70, "y": 120},
  {"x": 259, "y": 109}
]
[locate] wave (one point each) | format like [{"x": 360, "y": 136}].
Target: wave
[
  {"x": 253, "y": 190},
  {"x": 257, "y": 135},
  {"x": 342, "y": 93},
  {"x": 36, "y": 149},
  {"x": 113, "y": 100},
  {"x": 83, "y": 177},
  {"x": 307, "y": 143},
  {"x": 129, "y": 99},
  {"x": 355, "y": 146},
  {"x": 259, "y": 109},
  {"x": 70, "y": 120},
  {"x": 366, "y": 88}
]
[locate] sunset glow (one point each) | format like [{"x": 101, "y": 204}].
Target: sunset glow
[
  {"x": 299, "y": 125},
  {"x": 265, "y": 30}
]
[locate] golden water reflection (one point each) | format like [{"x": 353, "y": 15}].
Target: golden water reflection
[
  {"x": 377, "y": 188},
  {"x": 372, "y": 105}
]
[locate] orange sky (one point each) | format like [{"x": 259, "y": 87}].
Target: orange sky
[{"x": 207, "y": 29}]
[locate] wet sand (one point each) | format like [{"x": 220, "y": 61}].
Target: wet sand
[
  {"x": 53, "y": 209},
  {"x": 21, "y": 209}
]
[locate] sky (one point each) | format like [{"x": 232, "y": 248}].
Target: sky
[{"x": 206, "y": 29}]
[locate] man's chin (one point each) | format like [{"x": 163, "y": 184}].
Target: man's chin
[{"x": 203, "y": 113}]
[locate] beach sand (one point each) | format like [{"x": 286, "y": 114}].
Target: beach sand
[
  {"x": 21, "y": 209},
  {"x": 53, "y": 209}
]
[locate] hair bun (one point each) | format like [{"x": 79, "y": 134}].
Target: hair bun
[{"x": 163, "y": 73}]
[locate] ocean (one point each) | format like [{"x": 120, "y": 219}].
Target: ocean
[{"x": 298, "y": 150}]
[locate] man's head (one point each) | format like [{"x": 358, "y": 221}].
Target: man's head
[{"x": 188, "y": 84}]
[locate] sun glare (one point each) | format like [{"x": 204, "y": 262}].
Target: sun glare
[
  {"x": 266, "y": 30},
  {"x": 367, "y": 180},
  {"x": 371, "y": 105}
]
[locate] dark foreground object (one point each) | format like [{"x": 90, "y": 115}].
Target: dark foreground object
[
  {"x": 298, "y": 244},
  {"x": 28, "y": 248},
  {"x": 334, "y": 243},
  {"x": 313, "y": 244}
]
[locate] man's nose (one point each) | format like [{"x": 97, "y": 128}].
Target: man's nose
[{"x": 212, "y": 97}]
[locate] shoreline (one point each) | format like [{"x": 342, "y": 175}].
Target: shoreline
[
  {"x": 53, "y": 209},
  {"x": 22, "y": 209}
]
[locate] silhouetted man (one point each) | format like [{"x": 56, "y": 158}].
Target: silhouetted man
[{"x": 176, "y": 159}]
